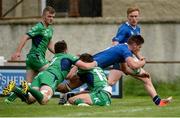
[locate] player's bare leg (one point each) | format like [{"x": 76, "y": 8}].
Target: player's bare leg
[
  {"x": 30, "y": 74},
  {"x": 47, "y": 94},
  {"x": 42, "y": 95},
  {"x": 71, "y": 84},
  {"x": 114, "y": 76},
  {"x": 67, "y": 87},
  {"x": 83, "y": 99},
  {"x": 152, "y": 92}
]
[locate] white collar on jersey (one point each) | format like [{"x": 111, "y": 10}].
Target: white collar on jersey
[{"x": 134, "y": 27}]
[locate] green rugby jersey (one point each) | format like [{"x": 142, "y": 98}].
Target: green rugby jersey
[
  {"x": 41, "y": 37},
  {"x": 61, "y": 65},
  {"x": 95, "y": 78}
]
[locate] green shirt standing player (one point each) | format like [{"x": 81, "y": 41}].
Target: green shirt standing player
[
  {"x": 99, "y": 92},
  {"x": 41, "y": 35}
]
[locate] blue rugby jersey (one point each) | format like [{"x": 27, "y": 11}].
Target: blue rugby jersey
[
  {"x": 114, "y": 54},
  {"x": 125, "y": 31}
]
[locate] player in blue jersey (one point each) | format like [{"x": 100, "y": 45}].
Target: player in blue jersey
[
  {"x": 127, "y": 29},
  {"x": 123, "y": 53}
]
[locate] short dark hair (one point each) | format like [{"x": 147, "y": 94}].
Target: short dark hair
[
  {"x": 85, "y": 57},
  {"x": 60, "y": 46},
  {"x": 138, "y": 39},
  {"x": 50, "y": 9}
]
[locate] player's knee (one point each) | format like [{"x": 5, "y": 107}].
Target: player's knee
[
  {"x": 44, "y": 101},
  {"x": 111, "y": 82},
  {"x": 147, "y": 80},
  {"x": 47, "y": 94}
]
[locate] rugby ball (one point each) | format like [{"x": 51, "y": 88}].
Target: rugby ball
[{"x": 136, "y": 71}]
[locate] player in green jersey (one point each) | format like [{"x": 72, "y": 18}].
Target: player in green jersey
[
  {"x": 45, "y": 83},
  {"x": 40, "y": 34},
  {"x": 99, "y": 92}
]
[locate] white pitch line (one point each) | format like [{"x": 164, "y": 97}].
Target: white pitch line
[{"x": 112, "y": 111}]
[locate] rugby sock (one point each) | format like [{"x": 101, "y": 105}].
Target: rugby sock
[
  {"x": 68, "y": 95},
  {"x": 37, "y": 94},
  {"x": 20, "y": 94},
  {"x": 78, "y": 101},
  {"x": 157, "y": 100},
  {"x": 12, "y": 97}
]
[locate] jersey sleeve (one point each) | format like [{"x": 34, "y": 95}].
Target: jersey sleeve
[
  {"x": 74, "y": 59},
  {"x": 35, "y": 30},
  {"x": 126, "y": 54},
  {"x": 120, "y": 36}
]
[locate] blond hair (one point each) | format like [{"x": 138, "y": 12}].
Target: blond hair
[{"x": 132, "y": 9}]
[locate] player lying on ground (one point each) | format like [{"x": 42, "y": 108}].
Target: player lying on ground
[
  {"x": 45, "y": 83},
  {"x": 123, "y": 53},
  {"x": 99, "y": 92}
]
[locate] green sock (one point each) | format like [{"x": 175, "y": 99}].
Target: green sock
[
  {"x": 12, "y": 97},
  {"x": 78, "y": 101},
  {"x": 37, "y": 94},
  {"x": 20, "y": 94}
]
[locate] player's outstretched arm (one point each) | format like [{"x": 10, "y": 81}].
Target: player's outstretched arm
[
  {"x": 85, "y": 66},
  {"x": 72, "y": 72},
  {"x": 51, "y": 46},
  {"x": 17, "y": 54}
]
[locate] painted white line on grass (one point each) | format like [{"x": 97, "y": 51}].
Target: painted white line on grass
[{"x": 112, "y": 111}]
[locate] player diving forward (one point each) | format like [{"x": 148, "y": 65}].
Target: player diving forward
[{"x": 123, "y": 53}]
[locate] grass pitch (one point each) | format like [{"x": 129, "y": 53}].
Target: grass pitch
[{"x": 129, "y": 106}]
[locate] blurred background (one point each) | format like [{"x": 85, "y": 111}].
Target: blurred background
[{"x": 89, "y": 26}]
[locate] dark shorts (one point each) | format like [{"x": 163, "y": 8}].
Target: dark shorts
[{"x": 116, "y": 66}]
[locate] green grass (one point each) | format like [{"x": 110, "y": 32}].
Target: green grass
[
  {"x": 135, "y": 87},
  {"x": 135, "y": 103},
  {"x": 136, "y": 106}
]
